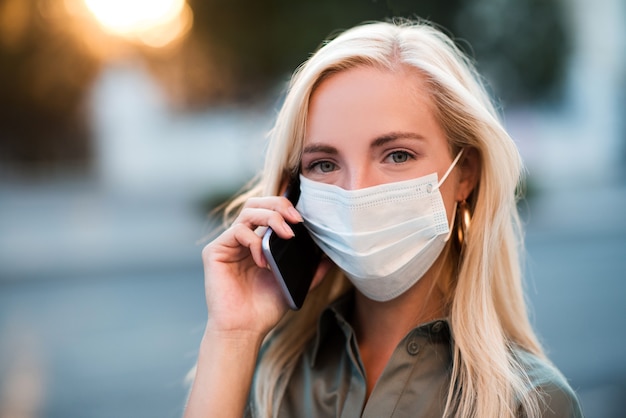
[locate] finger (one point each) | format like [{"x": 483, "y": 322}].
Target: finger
[
  {"x": 278, "y": 204},
  {"x": 261, "y": 217},
  {"x": 247, "y": 238}
]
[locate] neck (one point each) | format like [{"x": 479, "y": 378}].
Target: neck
[
  {"x": 380, "y": 326},
  {"x": 388, "y": 322}
]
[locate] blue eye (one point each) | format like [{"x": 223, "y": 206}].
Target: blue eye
[
  {"x": 323, "y": 166},
  {"x": 399, "y": 157}
]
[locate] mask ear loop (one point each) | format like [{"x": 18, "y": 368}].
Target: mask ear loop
[
  {"x": 456, "y": 160},
  {"x": 445, "y": 176}
]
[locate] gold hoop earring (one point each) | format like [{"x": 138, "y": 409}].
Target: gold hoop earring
[{"x": 463, "y": 224}]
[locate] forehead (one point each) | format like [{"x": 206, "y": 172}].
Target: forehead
[
  {"x": 410, "y": 81},
  {"x": 365, "y": 101}
]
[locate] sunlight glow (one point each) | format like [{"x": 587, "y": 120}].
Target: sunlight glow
[{"x": 152, "y": 22}]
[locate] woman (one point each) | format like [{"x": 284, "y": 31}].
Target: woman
[{"x": 415, "y": 311}]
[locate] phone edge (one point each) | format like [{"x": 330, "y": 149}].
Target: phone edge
[{"x": 265, "y": 246}]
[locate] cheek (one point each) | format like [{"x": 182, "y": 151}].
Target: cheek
[
  {"x": 450, "y": 209},
  {"x": 448, "y": 193}
]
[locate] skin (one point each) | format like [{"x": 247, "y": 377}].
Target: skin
[{"x": 365, "y": 127}]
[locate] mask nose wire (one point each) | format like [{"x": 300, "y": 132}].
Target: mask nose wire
[{"x": 445, "y": 176}]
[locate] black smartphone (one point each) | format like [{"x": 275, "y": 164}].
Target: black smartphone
[{"x": 293, "y": 261}]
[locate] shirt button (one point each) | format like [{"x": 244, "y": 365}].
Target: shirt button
[
  {"x": 437, "y": 326},
  {"x": 412, "y": 347}
]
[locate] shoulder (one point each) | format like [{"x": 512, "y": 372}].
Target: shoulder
[{"x": 558, "y": 398}]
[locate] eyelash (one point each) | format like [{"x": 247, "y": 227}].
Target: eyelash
[
  {"x": 409, "y": 155},
  {"x": 316, "y": 165}
]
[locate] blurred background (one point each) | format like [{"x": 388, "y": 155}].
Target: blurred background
[{"x": 124, "y": 122}]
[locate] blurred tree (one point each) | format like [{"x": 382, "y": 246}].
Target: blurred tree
[
  {"x": 520, "y": 45},
  {"x": 43, "y": 80},
  {"x": 258, "y": 42}
]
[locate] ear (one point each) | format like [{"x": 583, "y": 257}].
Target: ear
[{"x": 469, "y": 173}]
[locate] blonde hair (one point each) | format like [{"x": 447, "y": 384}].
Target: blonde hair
[{"x": 483, "y": 285}]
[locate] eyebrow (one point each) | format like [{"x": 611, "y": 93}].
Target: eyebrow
[
  {"x": 392, "y": 136},
  {"x": 327, "y": 149},
  {"x": 377, "y": 142}
]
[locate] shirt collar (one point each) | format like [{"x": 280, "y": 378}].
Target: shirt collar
[
  {"x": 333, "y": 316},
  {"x": 336, "y": 316}
]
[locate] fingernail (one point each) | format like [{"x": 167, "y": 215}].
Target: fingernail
[
  {"x": 288, "y": 229},
  {"x": 293, "y": 212}
]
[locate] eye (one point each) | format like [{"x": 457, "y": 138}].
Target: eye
[
  {"x": 399, "y": 157},
  {"x": 323, "y": 166}
]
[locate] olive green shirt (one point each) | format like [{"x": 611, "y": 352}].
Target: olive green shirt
[{"x": 329, "y": 379}]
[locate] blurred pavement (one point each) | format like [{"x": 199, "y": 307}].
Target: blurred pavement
[{"x": 576, "y": 265}]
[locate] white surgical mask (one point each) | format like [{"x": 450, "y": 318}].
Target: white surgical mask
[{"x": 383, "y": 237}]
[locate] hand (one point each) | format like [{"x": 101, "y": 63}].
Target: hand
[
  {"x": 244, "y": 302},
  {"x": 242, "y": 293}
]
